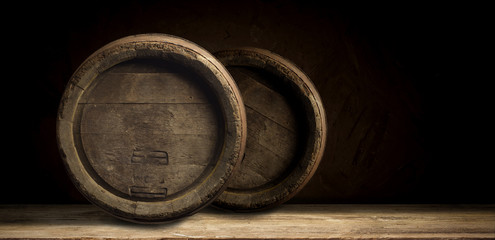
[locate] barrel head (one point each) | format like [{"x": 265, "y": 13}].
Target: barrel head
[
  {"x": 286, "y": 130},
  {"x": 151, "y": 127}
]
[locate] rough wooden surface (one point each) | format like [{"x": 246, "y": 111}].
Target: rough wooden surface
[
  {"x": 133, "y": 123},
  {"x": 284, "y": 222},
  {"x": 272, "y": 144}
]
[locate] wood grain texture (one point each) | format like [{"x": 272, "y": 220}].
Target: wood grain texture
[
  {"x": 129, "y": 117},
  {"x": 151, "y": 127},
  {"x": 273, "y": 133},
  {"x": 285, "y": 222}
]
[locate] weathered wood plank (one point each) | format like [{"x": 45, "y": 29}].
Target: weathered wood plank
[
  {"x": 269, "y": 151},
  {"x": 284, "y": 222},
  {"x": 145, "y": 88},
  {"x": 272, "y": 134},
  {"x": 273, "y": 104},
  {"x": 131, "y": 124}
]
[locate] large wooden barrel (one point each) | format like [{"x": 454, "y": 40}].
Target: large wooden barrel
[
  {"x": 286, "y": 130},
  {"x": 151, "y": 127}
]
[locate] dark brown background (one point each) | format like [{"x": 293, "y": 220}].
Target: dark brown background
[{"x": 404, "y": 87}]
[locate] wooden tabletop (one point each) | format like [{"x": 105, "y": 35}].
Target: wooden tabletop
[{"x": 284, "y": 222}]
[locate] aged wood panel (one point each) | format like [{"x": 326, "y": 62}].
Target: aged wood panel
[
  {"x": 346, "y": 221},
  {"x": 272, "y": 133},
  {"x": 151, "y": 127},
  {"x": 161, "y": 87},
  {"x": 286, "y": 130}
]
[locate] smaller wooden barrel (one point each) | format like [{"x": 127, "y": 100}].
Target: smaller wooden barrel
[
  {"x": 286, "y": 130},
  {"x": 150, "y": 128}
]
